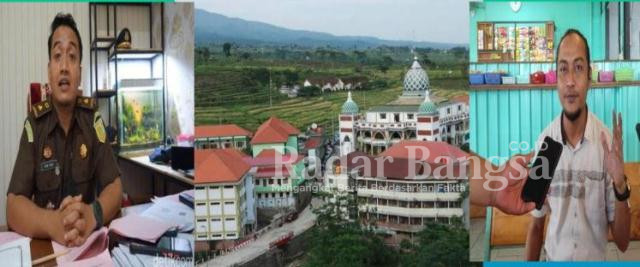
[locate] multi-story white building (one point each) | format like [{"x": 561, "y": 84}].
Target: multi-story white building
[
  {"x": 275, "y": 183},
  {"x": 224, "y": 198},
  {"x": 278, "y": 168},
  {"x": 454, "y": 120},
  {"x": 398, "y": 200},
  {"x": 413, "y": 116}
]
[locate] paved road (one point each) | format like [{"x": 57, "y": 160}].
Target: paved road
[{"x": 306, "y": 219}]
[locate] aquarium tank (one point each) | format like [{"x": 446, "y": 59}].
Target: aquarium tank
[{"x": 141, "y": 113}]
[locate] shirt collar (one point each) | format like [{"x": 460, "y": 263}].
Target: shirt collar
[
  {"x": 586, "y": 135},
  {"x": 54, "y": 122}
]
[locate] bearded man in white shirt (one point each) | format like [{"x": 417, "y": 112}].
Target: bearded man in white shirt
[{"x": 588, "y": 195}]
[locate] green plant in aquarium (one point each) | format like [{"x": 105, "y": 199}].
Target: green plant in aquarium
[{"x": 140, "y": 123}]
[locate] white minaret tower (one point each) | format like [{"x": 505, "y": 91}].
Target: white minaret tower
[
  {"x": 428, "y": 127},
  {"x": 347, "y": 119}
]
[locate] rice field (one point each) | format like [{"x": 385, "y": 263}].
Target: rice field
[{"x": 220, "y": 99}]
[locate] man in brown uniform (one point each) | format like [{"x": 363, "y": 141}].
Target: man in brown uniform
[{"x": 65, "y": 181}]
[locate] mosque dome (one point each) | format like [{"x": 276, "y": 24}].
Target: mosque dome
[
  {"x": 427, "y": 107},
  {"x": 349, "y": 106},
  {"x": 416, "y": 81}
]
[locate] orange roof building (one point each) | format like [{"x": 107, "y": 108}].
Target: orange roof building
[
  {"x": 420, "y": 182},
  {"x": 274, "y": 130},
  {"x": 224, "y": 197},
  {"x": 430, "y": 152},
  {"x": 221, "y": 136},
  {"x": 276, "y": 134},
  {"x": 222, "y": 130},
  {"x": 219, "y": 166}
]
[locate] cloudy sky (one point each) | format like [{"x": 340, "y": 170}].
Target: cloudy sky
[{"x": 444, "y": 21}]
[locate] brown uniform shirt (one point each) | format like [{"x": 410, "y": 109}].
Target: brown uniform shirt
[{"x": 51, "y": 166}]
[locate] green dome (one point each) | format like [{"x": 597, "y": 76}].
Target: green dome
[
  {"x": 349, "y": 106},
  {"x": 427, "y": 107}
]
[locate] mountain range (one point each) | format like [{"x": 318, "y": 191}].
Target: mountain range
[{"x": 215, "y": 28}]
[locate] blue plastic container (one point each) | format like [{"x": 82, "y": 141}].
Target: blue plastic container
[
  {"x": 476, "y": 78},
  {"x": 493, "y": 78}
]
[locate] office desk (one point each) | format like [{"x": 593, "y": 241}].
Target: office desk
[
  {"x": 142, "y": 179},
  {"x": 42, "y": 247}
]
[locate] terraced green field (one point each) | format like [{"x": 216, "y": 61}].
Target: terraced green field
[{"x": 220, "y": 98}]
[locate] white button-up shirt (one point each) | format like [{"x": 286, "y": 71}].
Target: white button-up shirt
[{"x": 581, "y": 200}]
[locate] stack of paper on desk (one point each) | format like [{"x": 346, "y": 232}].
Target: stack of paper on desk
[
  {"x": 171, "y": 210},
  {"x": 158, "y": 217},
  {"x": 140, "y": 227},
  {"x": 123, "y": 257},
  {"x": 14, "y": 249},
  {"x": 94, "y": 251},
  {"x": 101, "y": 260}
]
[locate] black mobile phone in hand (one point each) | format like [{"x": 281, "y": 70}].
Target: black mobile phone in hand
[{"x": 541, "y": 172}]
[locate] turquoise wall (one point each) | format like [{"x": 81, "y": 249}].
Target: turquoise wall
[
  {"x": 498, "y": 117},
  {"x": 257, "y": 148},
  {"x": 292, "y": 142},
  {"x": 587, "y": 17}
]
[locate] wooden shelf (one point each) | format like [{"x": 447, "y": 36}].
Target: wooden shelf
[{"x": 546, "y": 86}]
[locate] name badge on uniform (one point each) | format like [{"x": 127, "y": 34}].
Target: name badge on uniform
[{"x": 49, "y": 165}]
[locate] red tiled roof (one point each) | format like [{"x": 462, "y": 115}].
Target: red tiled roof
[
  {"x": 219, "y": 166},
  {"x": 266, "y": 163},
  {"x": 268, "y": 153},
  {"x": 269, "y": 157},
  {"x": 274, "y": 130},
  {"x": 322, "y": 80},
  {"x": 220, "y": 130},
  {"x": 313, "y": 142},
  {"x": 397, "y": 168},
  {"x": 271, "y": 171},
  {"x": 461, "y": 98},
  {"x": 436, "y": 150},
  {"x": 354, "y": 79}
]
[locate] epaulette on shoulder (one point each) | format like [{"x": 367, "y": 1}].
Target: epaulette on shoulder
[
  {"x": 41, "y": 108},
  {"x": 86, "y": 102}
]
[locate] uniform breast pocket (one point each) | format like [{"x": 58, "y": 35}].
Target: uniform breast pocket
[
  {"x": 48, "y": 185},
  {"x": 81, "y": 174},
  {"x": 80, "y": 164}
]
